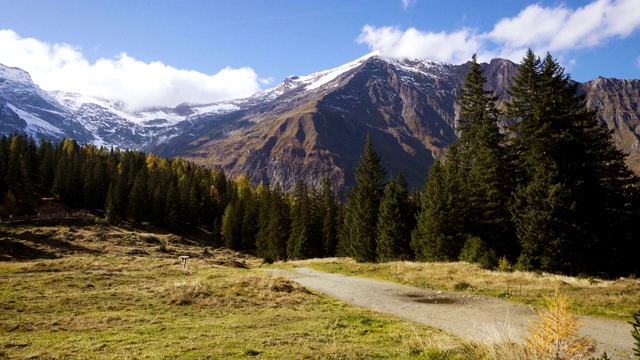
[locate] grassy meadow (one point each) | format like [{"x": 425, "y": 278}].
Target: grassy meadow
[{"x": 92, "y": 291}]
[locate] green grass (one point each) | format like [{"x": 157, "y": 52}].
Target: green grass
[{"x": 130, "y": 307}]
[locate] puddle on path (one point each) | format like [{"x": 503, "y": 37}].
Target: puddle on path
[{"x": 422, "y": 299}]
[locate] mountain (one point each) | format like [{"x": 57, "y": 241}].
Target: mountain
[
  {"x": 618, "y": 104},
  {"x": 54, "y": 115},
  {"x": 307, "y": 127}
]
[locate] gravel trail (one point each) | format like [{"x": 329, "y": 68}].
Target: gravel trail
[{"x": 471, "y": 316}]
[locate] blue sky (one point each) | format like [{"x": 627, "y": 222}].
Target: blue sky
[{"x": 163, "y": 52}]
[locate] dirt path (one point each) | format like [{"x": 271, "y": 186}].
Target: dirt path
[{"x": 478, "y": 317}]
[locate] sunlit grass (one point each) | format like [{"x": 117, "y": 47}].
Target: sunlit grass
[
  {"x": 84, "y": 293},
  {"x": 113, "y": 305}
]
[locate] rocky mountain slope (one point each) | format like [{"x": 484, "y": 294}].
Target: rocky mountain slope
[{"x": 307, "y": 127}]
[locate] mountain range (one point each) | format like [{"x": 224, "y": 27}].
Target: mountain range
[{"x": 308, "y": 127}]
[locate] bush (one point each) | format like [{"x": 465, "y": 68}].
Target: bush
[
  {"x": 555, "y": 335},
  {"x": 476, "y": 251},
  {"x": 504, "y": 265}
]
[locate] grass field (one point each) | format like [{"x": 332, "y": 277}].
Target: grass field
[
  {"x": 122, "y": 293},
  {"x": 85, "y": 290}
]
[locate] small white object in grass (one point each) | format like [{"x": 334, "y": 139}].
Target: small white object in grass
[{"x": 183, "y": 259}]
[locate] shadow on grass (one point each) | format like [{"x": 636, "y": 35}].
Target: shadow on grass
[{"x": 14, "y": 250}]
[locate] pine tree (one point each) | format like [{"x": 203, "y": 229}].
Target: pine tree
[
  {"x": 5, "y": 153},
  {"x": 555, "y": 335},
  {"x": 573, "y": 186},
  {"x": 482, "y": 146},
  {"x": 395, "y": 223},
  {"x": 330, "y": 211},
  {"x": 138, "y": 209},
  {"x": 47, "y": 166},
  {"x": 158, "y": 205},
  {"x": 363, "y": 203},
  {"x": 439, "y": 233},
  {"x": 173, "y": 207},
  {"x": 304, "y": 241},
  {"x": 115, "y": 202}
]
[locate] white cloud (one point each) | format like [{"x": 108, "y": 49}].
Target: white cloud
[
  {"x": 407, "y": 3},
  {"x": 556, "y": 29},
  {"x": 560, "y": 28},
  {"x": 448, "y": 47},
  {"x": 140, "y": 84}
]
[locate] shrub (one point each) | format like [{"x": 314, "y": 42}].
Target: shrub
[
  {"x": 504, "y": 265},
  {"x": 476, "y": 251},
  {"x": 555, "y": 335}
]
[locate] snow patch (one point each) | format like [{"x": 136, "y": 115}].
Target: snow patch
[{"x": 35, "y": 125}]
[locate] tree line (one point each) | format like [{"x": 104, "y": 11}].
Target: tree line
[{"x": 549, "y": 192}]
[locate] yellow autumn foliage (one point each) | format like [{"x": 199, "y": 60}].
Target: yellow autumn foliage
[{"x": 555, "y": 335}]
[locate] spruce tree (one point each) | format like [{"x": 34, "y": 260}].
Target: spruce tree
[
  {"x": 305, "y": 241},
  {"x": 363, "y": 204},
  {"x": 329, "y": 208},
  {"x": 5, "y": 153},
  {"x": 173, "y": 207},
  {"x": 439, "y": 233},
  {"x": 573, "y": 184},
  {"x": 279, "y": 226},
  {"x": 489, "y": 183},
  {"x": 394, "y": 223},
  {"x": 138, "y": 209}
]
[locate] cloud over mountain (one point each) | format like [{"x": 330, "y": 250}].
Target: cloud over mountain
[
  {"x": 556, "y": 29},
  {"x": 64, "y": 67}
]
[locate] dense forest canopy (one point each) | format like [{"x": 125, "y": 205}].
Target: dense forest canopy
[{"x": 549, "y": 193}]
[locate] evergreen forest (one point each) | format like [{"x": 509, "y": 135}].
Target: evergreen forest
[{"x": 548, "y": 192}]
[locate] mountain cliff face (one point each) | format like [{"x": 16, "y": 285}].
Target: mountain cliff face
[
  {"x": 315, "y": 126},
  {"x": 618, "y": 105},
  {"x": 308, "y": 127}
]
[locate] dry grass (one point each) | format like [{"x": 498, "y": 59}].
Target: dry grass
[
  {"x": 608, "y": 298},
  {"x": 93, "y": 291},
  {"x": 98, "y": 300}
]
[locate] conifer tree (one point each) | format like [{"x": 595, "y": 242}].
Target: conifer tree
[
  {"x": 138, "y": 209},
  {"x": 172, "y": 207},
  {"x": 158, "y": 205},
  {"x": 329, "y": 207},
  {"x": 47, "y": 166},
  {"x": 488, "y": 180},
  {"x": 439, "y": 233},
  {"x": 394, "y": 222},
  {"x": 304, "y": 241},
  {"x": 4, "y": 164},
  {"x": 363, "y": 203},
  {"x": 115, "y": 201},
  {"x": 573, "y": 184}
]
